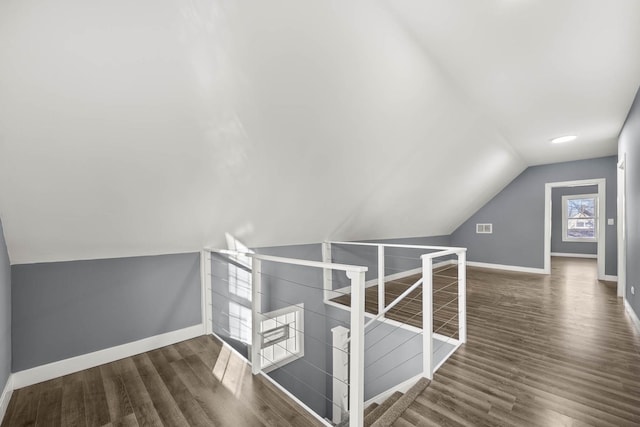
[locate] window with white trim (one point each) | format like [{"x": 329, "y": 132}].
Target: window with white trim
[
  {"x": 282, "y": 333},
  {"x": 580, "y": 218}
]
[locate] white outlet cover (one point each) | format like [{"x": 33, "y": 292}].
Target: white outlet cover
[{"x": 610, "y": 221}]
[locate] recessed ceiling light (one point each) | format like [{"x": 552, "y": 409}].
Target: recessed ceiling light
[{"x": 562, "y": 139}]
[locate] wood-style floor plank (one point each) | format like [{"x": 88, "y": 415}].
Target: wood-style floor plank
[
  {"x": 542, "y": 350},
  {"x": 186, "y": 403},
  {"x": 115, "y": 392},
  {"x": 166, "y": 407},
  {"x": 25, "y": 407},
  {"x": 72, "y": 410},
  {"x": 95, "y": 403},
  {"x": 193, "y": 383}
]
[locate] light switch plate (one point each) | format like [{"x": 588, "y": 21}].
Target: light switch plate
[{"x": 610, "y": 221}]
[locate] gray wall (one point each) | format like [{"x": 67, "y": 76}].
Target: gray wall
[
  {"x": 517, "y": 214},
  {"x": 629, "y": 143},
  {"x": 5, "y": 312},
  {"x": 305, "y": 378},
  {"x": 67, "y": 309},
  {"x": 557, "y": 245}
]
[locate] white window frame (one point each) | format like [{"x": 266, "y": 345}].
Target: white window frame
[
  {"x": 296, "y": 334},
  {"x": 565, "y": 218}
]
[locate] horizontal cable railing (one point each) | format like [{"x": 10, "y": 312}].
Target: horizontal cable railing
[
  {"x": 272, "y": 309},
  {"x": 419, "y": 293},
  {"x": 335, "y": 324}
]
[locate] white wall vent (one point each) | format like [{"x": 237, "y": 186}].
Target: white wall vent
[{"x": 484, "y": 228}]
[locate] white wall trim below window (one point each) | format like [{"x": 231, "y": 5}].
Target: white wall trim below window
[
  {"x": 90, "y": 360},
  {"x": 568, "y": 255},
  {"x": 5, "y": 397}
]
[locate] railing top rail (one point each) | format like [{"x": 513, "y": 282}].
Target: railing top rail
[
  {"x": 444, "y": 253},
  {"x": 398, "y": 245},
  {"x": 293, "y": 261}
]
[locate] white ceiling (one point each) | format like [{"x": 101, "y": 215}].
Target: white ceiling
[
  {"x": 131, "y": 128},
  {"x": 537, "y": 69}
]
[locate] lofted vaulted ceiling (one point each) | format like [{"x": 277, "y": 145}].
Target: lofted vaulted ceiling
[{"x": 132, "y": 128}]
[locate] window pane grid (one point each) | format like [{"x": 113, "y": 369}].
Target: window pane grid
[{"x": 580, "y": 217}]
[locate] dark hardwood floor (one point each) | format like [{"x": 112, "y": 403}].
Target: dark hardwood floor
[
  {"x": 409, "y": 310},
  {"x": 554, "y": 350},
  {"x": 192, "y": 383}
]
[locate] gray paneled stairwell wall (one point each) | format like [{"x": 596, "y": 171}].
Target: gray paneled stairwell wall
[
  {"x": 629, "y": 148},
  {"x": 5, "y": 312},
  {"x": 308, "y": 378},
  {"x": 517, "y": 215}
]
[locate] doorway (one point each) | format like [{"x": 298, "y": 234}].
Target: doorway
[{"x": 601, "y": 220}]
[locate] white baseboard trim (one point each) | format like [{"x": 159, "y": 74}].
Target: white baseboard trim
[
  {"x": 5, "y": 397},
  {"x": 86, "y": 361},
  {"x": 506, "y": 267},
  {"x": 609, "y": 278},
  {"x": 632, "y": 314},
  {"x": 568, "y": 255},
  {"x": 403, "y": 387}
]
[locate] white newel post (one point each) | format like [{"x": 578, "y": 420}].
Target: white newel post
[
  {"x": 462, "y": 296},
  {"x": 381, "y": 290},
  {"x": 256, "y": 314},
  {"x": 340, "y": 396},
  {"x": 427, "y": 316},
  {"x": 207, "y": 297},
  {"x": 356, "y": 368}
]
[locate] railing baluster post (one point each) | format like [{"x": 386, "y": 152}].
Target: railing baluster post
[
  {"x": 427, "y": 316},
  {"x": 207, "y": 297},
  {"x": 462, "y": 296},
  {"x": 256, "y": 314},
  {"x": 340, "y": 396},
  {"x": 327, "y": 273},
  {"x": 356, "y": 365},
  {"x": 381, "y": 288}
]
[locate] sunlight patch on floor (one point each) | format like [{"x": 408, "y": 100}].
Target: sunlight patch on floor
[{"x": 230, "y": 371}]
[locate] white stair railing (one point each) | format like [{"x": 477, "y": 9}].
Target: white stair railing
[
  {"x": 426, "y": 268},
  {"x": 353, "y": 338},
  {"x": 356, "y": 276}
]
